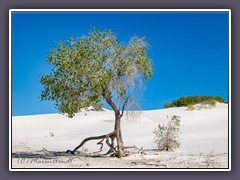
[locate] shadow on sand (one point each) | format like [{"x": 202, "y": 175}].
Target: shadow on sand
[{"x": 53, "y": 154}]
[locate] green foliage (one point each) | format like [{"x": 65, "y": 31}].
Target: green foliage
[
  {"x": 192, "y": 100},
  {"x": 85, "y": 151},
  {"x": 167, "y": 137},
  {"x": 190, "y": 107},
  {"x": 219, "y": 99},
  {"x": 87, "y": 67},
  {"x": 167, "y": 105},
  {"x": 210, "y": 102}
]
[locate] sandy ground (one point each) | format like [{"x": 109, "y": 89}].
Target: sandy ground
[{"x": 40, "y": 141}]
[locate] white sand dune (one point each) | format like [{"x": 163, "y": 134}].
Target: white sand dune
[{"x": 203, "y": 131}]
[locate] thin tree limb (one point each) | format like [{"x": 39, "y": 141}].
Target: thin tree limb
[{"x": 123, "y": 107}]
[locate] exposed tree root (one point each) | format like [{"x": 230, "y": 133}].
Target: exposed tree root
[
  {"x": 115, "y": 135},
  {"x": 111, "y": 135},
  {"x": 100, "y": 143},
  {"x": 112, "y": 148}
]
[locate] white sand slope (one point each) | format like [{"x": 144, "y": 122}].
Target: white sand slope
[{"x": 203, "y": 131}]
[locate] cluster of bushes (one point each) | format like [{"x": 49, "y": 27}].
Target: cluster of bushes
[{"x": 192, "y": 100}]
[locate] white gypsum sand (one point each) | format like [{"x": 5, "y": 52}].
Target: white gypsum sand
[{"x": 40, "y": 141}]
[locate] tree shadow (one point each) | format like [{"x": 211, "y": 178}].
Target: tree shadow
[
  {"x": 53, "y": 154},
  {"x": 40, "y": 154}
]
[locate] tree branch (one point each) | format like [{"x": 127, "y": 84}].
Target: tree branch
[
  {"x": 123, "y": 107},
  {"x": 109, "y": 101}
]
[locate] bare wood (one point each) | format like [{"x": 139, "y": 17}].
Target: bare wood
[
  {"x": 109, "y": 101},
  {"x": 123, "y": 107},
  {"x": 89, "y": 139},
  {"x": 115, "y": 134},
  {"x": 101, "y": 145},
  {"x": 112, "y": 149}
]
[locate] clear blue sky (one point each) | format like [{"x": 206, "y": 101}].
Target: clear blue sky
[{"x": 189, "y": 52}]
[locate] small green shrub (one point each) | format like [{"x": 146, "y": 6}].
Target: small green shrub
[
  {"x": 190, "y": 107},
  {"x": 85, "y": 151},
  {"x": 166, "y": 138},
  {"x": 208, "y": 104},
  {"x": 167, "y": 105}
]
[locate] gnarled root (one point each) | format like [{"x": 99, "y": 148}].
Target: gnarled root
[{"x": 111, "y": 135}]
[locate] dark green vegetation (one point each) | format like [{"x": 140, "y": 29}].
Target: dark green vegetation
[
  {"x": 93, "y": 68},
  {"x": 192, "y": 100}
]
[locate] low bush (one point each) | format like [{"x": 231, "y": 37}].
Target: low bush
[
  {"x": 167, "y": 105},
  {"x": 166, "y": 137},
  {"x": 190, "y": 107},
  {"x": 208, "y": 104}
]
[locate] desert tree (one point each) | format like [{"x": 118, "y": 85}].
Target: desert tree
[{"x": 94, "y": 68}]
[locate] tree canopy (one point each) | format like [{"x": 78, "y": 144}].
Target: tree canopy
[{"x": 95, "y": 67}]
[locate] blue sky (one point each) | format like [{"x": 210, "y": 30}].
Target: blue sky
[{"x": 189, "y": 52}]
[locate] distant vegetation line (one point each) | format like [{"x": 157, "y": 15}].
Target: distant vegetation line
[{"x": 192, "y": 100}]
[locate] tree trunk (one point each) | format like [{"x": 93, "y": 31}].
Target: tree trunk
[
  {"x": 116, "y": 134},
  {"x": 117, "y": 128}
]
